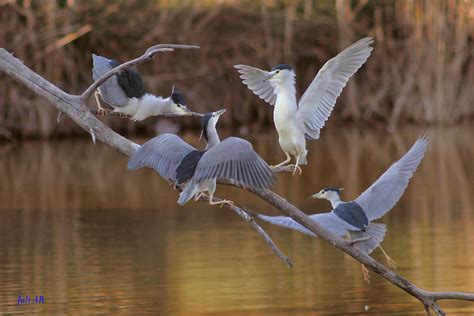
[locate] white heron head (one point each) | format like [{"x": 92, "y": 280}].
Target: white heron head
[
  {"x": 330, "y": 194},
  {"x": 281, "y": 74}
]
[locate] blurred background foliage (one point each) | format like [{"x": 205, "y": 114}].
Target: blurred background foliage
[{"x": 421, "y": 71}]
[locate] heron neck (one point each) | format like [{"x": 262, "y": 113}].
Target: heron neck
[
  {"x": 335, "y": 200},
  {"x": 151, "y": 105},
  {"x": 212, "y": 138},
  {"x": 286, "y": 96}
]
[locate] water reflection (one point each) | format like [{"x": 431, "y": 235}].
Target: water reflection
[{"x": 79, "y": 229}]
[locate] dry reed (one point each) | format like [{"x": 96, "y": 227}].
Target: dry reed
[{"x": 422, "y": 69}]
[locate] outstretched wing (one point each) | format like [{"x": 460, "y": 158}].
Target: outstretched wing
[
  {"x": 317, "y": 103},
  {"x": 382, "y": 195},
  {"x": 253, "y": 78},
  {"x": 234, "y": 159},
  {"x": 163, "y": 153},
  {"x": 327, "y": 220},
  {"x": 110, "y": 90}
]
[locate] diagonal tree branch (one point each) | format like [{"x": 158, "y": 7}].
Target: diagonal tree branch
[
  {"x": 112, "y": 113},
  {"x": 75, "y": 108}
]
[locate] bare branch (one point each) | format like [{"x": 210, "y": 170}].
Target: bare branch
[
  {"x": 249, "y": 219},
  {"x": 112, "y": 113},
  {"x": 149, "y": 54},
  {"x": 76, "y": 109}
]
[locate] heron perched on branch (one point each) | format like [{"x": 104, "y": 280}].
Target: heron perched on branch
[
  {"x": 232, "y": 159},
  {"x": 297, "y": 121},
  {"x": 125, "y": 92},
  {"x": 354, "y": 219}
]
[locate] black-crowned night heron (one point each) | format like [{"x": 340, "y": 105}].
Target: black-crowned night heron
[
  {"x": 232, "y": 159},
  {"x": 354, "y": 219},
  {"x": 125, "y": 92},
  {"x": 297, "y": 121}
]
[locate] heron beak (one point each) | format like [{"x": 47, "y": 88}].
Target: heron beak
[
  {"x": 185, "y": 108},
  {"x": 220, "y": 112},
  {"x": 270, "y": 76},
  {"x": 316, "y": 196}
]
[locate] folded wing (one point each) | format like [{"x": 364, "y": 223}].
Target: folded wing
[
  {"x": 317, "y": 103},
  {"x": 382, "y": 195},
  {"x": 110, "y": 90},
  {"x": 235, "y": 160},
  {"x": 253, "y": 78},
  {"x": 163, "y": 153}
]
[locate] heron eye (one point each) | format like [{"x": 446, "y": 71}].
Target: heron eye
[{"x": 278, "y": 71}]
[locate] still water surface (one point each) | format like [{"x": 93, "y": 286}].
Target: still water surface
[{"x": 92, "y": 238}]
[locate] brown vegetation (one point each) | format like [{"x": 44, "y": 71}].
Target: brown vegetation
[{"x": 422, "y": 68}]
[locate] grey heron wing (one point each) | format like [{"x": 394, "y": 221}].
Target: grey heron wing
[
  {"x": 327, "y": 220},
  {"x": 235, "y": 160},
  {"x": 162, "y": 153},
  {"x": 253, "y": 78},
  {"x": 110, "y": 90},
  {"x": 317, "y": 103},
  {"x": 385, "y": 192}
]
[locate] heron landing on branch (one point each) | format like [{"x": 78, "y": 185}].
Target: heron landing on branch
[
  {"x": 297, "y": 121},
  {"x": 354, "y": 219}
]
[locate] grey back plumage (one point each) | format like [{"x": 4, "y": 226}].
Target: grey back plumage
[
  {"x": 234, "y": 159},
  {"x": 253, "y": 78},
  {"x": 163, "y": 153},
  {"x": 188, "y": 165},
  {"x": 382, "y": 195},
  {"x": 318, "y": 101},
  {"x": 353, "y": 214}
]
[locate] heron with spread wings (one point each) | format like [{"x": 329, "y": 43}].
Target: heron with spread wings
[
  {"x": 297, "y": 121},
  {"x": 233, "y": 159},
  {"x": 354, "y": 219}
]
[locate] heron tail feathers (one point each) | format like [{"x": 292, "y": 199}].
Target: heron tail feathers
[
  {"x": 187, "y": 194},
  {"x": 377, "y": 233},
  {"x": 303, "y": 160}
]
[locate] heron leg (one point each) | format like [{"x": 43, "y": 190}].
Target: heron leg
[
  {"x": 296, "y": 166},
  {"x": 288, "y": 159},
  {"x": 100, "y": 109},
  {"x": 198, "y": 196},
  {"x": 365, "y": 273},
  {"x": 390, "y": 261},
  {"x": 221, "y": 202}
]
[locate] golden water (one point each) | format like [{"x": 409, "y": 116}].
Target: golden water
[{"x": 92, "y": 238}]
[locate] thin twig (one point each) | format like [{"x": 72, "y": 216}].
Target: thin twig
[
  {"x": 249, "y": 219},
  {"x": 149, "y": 54}
]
